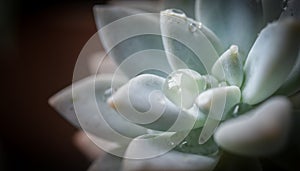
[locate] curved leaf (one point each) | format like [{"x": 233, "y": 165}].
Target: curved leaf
[
  {"x": 183, "y": 86},
  {"x": 261, "y": 132},
  {"x": 233, "y": 21},
  {"x": 123, "y": 37},
  {"x": 229, "y": 67},
  {"x": 87, "y": 101},
  {"x": 216, "y": 103},
  {"x": 270, "y": 60},
  {"x": 172, "y": 160},
  {"x": 142, "y": 101},
  {"x": 187, "y": 46}
]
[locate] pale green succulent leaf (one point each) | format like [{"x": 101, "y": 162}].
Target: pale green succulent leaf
[
  {"x": 234, "y": 21},
  {"x": 183, "y": 86},
  {"x": 260, "y": 132},
  {"x": 208, "y": 99},
  {"x": 121, "y": 41},
  {"x": 191, "y": 145},
  {"x": 172, "y": 160},
  {"x": 216, "y": 102},
  {"x": 186, "y": 45},
  {"x": 270, "y": 60},
  {"x": 84, "y": 105},
  {"x": 143, "y": 102},
  {"x": 229, "y": 67}
]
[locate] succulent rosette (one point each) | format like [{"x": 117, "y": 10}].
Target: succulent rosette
[{"x": 219, "y": 92}]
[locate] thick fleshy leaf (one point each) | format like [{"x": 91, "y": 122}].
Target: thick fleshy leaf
[
  {"x": 234, "y": 21},
  {"x": 185, "y": 42},
  {"x": 261, "y": 132},
  {"x": 229, "y": 67},
  {"x": 172, "y": 160},
  {"x": 270, "y": 60},
  {"x": 132, "y": 35},
  {"x": 291, "y": 8},
  {"x": 206, "y": 100},
  {"x": 85, "y": 101},
  {"x": 142, "y": 101},
  {"x": 99, "y": 63},
  {"x": 216, "y": 103},
  {"x": 183, "y": 86},
  {"x": 292, "y": 84},
  {"x": 191, "y": 145},
  {"x": 183, "y": 5}
]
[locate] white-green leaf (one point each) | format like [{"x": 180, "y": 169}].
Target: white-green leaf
[
  {"x": 171, "y": 160},
  {"x": 233, "y": 21},
  {"x": 270, "y": 60},
  {"x": 125, "y": 32},
  {"x": 142, "y": 101},
  {"x": 261, "y": 132},
  {"x": 205, "y": 101},
  {"x": 84, "y": 105},
  {"x": 229, "y": 67},
  {"x": 216, "y": 102},
  {"x": 186, "y": 45},
  {"x": 183, "y": 86}
]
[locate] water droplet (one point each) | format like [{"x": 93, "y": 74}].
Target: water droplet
[
  {"x": 171, "y": 143},
  {"x": 193, "y": 27},
  {"x": 183, "y": 86},
  {"x": 176, "y": 12},
  {"x": 236, "y": 109},
  {"x": 199, "y": 25},
  {"x": 284, "y": 5},
  {"x": 183, "y": 144}
]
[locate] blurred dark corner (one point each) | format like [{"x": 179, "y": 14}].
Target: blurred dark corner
[{"x": 39, "y": 44}]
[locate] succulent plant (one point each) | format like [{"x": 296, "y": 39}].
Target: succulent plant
[{"x": 223, "y": 94}]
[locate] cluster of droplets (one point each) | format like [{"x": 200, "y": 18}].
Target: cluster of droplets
[{"x": 194, "y": 26}]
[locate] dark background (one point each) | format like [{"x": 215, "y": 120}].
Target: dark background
[{"x": 39, "y": 44}]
